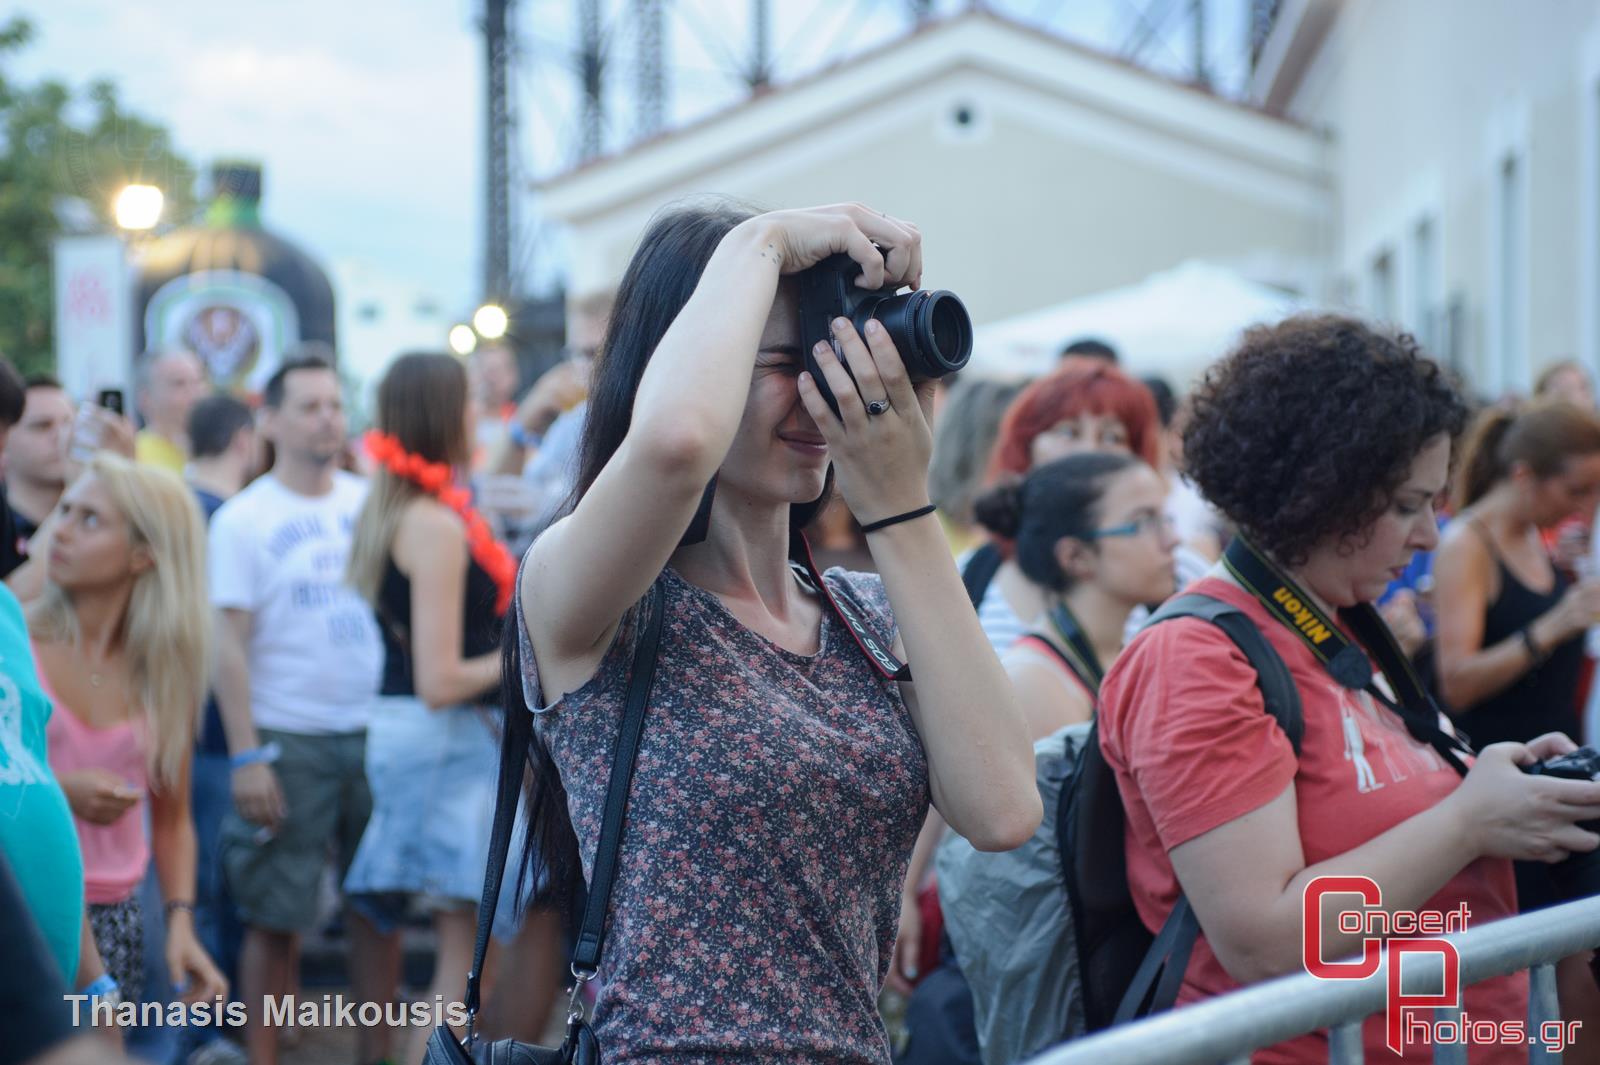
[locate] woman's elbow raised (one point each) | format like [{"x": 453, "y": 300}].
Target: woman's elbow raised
[{"x": 681, "y": 445}]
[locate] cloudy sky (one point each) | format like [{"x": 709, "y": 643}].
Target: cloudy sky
[{"x": 367, "y": 113}]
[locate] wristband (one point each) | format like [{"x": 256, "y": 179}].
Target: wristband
[
  {"x": 1531, "y": 644},
  {"x": 179, "y": 904},
  {"x": 898, "y": 518},
  {"x": 267, "y": 753},
  {"x": 102, "y": 986},
  {"x": 521, "y": 437}
]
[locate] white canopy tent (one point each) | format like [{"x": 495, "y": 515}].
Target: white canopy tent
[{"x": 1173, "y": 323}]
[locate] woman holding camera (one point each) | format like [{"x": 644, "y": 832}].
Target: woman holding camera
[
  {"x": 1326, "y": 443},
  {"x": 782, "y": 778}
]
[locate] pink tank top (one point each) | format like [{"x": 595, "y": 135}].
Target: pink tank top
[{"x": 115, "y": 856}]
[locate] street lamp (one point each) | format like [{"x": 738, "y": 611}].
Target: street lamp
[
  {"x": 462, "y": 340},
  {"x": 490, "y": 321},
  {"x": 138, "y": 207}
]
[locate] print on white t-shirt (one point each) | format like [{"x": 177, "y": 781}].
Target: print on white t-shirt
[
  {"x": 1355, "y": 748},
  {"x": 315, "y": 657}
]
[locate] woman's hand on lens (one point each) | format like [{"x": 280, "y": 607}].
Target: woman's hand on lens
[
  {"x": 1509, "y": 814},
  {"x": 802, "y": 239},
  {"x": 881, "y": 460}
]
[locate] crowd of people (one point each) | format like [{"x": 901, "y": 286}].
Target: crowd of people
[{"x": 259, "y": 677}]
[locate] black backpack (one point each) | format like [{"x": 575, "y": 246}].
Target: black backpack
[
  {"x": 980, "y": 568},
  {"x": 1126, "y": 972}
]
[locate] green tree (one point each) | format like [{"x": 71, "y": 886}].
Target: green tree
[{"x": 63, "y": 156}]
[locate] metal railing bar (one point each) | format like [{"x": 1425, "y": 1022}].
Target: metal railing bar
[
  {"x": 1543, "y": 1005},
  {"x": 1289, "y": 1006},
  {"x": 1344, "y": 1045}
]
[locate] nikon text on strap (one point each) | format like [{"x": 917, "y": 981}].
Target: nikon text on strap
[{"x": 1346, "y": 661}]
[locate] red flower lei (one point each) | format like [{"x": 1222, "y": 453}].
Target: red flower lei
[{"x": 437, "y": 479}]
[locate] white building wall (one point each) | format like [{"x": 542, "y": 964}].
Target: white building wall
[
  {"x": 1070, "y": 176},
  {"x": 1477, "y": 119}
]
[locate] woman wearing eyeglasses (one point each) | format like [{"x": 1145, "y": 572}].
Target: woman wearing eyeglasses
[
  {"x": 1085, "y": 405},
  {"x": 1088, "y": 530}
]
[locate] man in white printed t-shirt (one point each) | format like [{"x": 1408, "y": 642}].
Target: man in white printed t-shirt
[{"x": 298, "y": 667}]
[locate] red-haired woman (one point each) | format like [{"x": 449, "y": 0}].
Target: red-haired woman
[{"x": 1085, "y": 405}]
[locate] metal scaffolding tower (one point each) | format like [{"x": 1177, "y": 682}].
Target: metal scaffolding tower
[
  {"x": 759, "y": 75},
  {"x": 650, "y": 71},
  {"x": 497, "y": 280},
  {"x": 591, "y": 78}
]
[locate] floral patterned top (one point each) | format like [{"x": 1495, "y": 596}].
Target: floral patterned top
[{"x": 774, "y": 807}]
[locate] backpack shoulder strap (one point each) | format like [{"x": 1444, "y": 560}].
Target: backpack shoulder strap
[
  {"x": 1154, "y": 986},
  {"x": 980, "y": 569},
  {"x": 1278, "y": 692}
]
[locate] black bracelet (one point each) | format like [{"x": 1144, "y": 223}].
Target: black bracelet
[
  {"x": 898, "y": 518},
  {"x": 1533, "y": 648}
]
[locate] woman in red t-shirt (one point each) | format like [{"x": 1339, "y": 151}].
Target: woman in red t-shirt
[{"x": 1326, "y": 443}]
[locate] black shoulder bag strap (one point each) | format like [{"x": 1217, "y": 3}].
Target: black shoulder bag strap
[
  {"x": 979, "y": 571},
  {"x": 1075, "y": 651},
  {"x": 1345, "y": 660},
  {"x": 1156, "y": 983},
  {"x": 591, "y": 937},
  {"x": 1278, "y": 693}
]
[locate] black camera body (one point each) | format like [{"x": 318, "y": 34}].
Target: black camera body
[
  {"x": 1581, "y": 764},
  {"x": 931, "y": 330},
  {"x": 1578, "y": 875}
]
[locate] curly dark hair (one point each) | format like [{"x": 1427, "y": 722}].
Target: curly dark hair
[{"x": 1306, "y": 430}]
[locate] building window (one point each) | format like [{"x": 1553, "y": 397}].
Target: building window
[
  {"x": 1508, "y": 266},
  {"x": 1425, "y": 310},
  {"x": 1380, "y": 296},
  {"x": 1589, "y": 216}
]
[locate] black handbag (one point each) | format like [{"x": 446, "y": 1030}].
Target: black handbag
[{"x": 580, "y": 1046}]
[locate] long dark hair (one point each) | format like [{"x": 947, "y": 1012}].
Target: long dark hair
[
  {"x": 422, "y": 402},
  {"x": 662, "y": 275}
]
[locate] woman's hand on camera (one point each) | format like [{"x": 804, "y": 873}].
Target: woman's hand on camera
[
  {"x": 803, "y": 238},
  {"x": 881, "y": 460},
  {"x": 1508, "y": 814}
]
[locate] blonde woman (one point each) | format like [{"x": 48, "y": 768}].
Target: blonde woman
[{"x": 120, "y": 637}]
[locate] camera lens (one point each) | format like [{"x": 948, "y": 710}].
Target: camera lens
[
  {"x": 931, "y": 330},
  {"x": 950, "y": 329}
]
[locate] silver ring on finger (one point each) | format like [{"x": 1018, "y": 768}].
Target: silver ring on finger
[{"x": 877, "y": 406}]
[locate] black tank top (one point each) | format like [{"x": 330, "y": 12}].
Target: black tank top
[
  {"x": 1544, "y": 699},
  {"x": 480, "y": 627}
]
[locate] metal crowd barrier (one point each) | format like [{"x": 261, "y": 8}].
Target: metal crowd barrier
[{"x": 1228, "y": 1028}]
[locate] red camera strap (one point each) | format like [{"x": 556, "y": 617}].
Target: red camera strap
[{"x": 877, "y": 652}]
